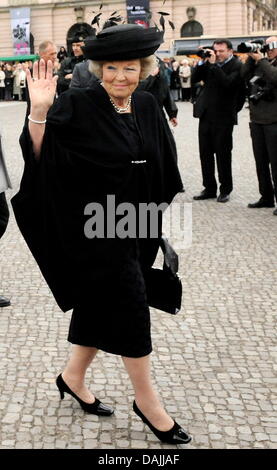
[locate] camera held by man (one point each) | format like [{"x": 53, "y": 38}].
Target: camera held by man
[
  {"x": 260, "y": 73},
  {"x": 204, "y": 52}
]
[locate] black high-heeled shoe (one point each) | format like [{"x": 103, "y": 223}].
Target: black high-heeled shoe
[
  {"x": 175, "y": 435},
  {"x": 96, "y": 408}
]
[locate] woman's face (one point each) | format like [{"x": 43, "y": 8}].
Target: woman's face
[{"x": 121, "y": 78}]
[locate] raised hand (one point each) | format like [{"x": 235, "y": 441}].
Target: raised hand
[
  {"x": 42, "y": 87},
  {"x": 212, "y": 58},
  {"x": 256, "y": 55},
  {"x": 42, "y": 90}
]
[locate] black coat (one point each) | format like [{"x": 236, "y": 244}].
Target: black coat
[
  {"x": 265, "y": 110},
  {"x": 85, "y": 156},
  {"x": 9, "y": 80},
  {"x": 67, "y": 67},
  {"x": 175, "y": 82},
  {"x": 157, "y": 85},
  {"x": 61, "y": 55},
  {"x": 223, "y": 93}
]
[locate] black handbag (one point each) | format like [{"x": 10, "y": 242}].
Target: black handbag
[{"x": 163, "y": 286}]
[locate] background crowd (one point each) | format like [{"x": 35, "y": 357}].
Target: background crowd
[
  {"x": 215, "y": 83},
  {"x": 13, "y": 77}
]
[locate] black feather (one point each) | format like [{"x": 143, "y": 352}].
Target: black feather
[
  {"x": 163, "y": 13},
  {"x": 171, "y": 24},
  {"x": 162, "y": 22},
  {"x": 96, "y": 19},
  {"x": 115, "y": 18}
]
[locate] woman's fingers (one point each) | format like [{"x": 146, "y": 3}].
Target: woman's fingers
[
  {"x": 41, "y": 69},
  {"x": 49, "y": 70},
  {"x": 35, "y": 70},
  {"x": 29, "y": 77}
]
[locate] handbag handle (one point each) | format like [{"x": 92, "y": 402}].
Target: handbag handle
[{"x": 171, "y": 260}]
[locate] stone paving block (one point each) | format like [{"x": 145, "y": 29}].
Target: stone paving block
[
  {"x": 90, "y": 444},
  {"x": 11, "y": 418}
]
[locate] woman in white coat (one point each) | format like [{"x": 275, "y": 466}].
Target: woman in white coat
[{"x": 185, "y": 74}]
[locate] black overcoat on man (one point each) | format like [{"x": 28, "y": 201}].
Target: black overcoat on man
[
  {"x": 223, "y": 93},
  {"x": 67, "y": 67},
  {"x": 82, "y": 77},
  {"x": 263, "y": 125},
  {"x": 221, "y": 97}
]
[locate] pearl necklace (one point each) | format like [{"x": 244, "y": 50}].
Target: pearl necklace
[{"x": 121, "y": 110}]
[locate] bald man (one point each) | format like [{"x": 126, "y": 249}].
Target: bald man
[
  {"x": 48, "y": 51},
  {"x": 261, "y": 74}
]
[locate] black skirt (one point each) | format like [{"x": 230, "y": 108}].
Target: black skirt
[{"x": 117, "y": 317}]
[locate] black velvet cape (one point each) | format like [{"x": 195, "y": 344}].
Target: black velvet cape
[{"x": 86, "y": 156}]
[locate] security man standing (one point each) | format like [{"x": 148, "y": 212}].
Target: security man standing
[
  {"x": 67, "y": 66},
  {"x": 260, "y": 72},
  {"x": 217, "y": 106}
]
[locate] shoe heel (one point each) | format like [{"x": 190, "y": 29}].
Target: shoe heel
[{"x": 59, "y": 383}]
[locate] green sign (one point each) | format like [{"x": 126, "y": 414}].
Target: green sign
[{"x": 19, "y": 58}]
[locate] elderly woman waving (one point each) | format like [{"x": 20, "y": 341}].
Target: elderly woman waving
[{"x": 92, "y": 151}]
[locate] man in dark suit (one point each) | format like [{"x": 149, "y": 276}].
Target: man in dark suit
[
  {"x": 260, "y": 73},
  {"x": 217, "y": 107}
]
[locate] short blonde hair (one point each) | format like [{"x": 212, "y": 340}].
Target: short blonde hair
[
  {"x": 43, "y": 46},
  {"x": 148, "y": 65}
]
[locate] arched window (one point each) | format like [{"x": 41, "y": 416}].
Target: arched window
[
  {"x": 191, "y": 28},
  {"x": 82, "y": 28}
]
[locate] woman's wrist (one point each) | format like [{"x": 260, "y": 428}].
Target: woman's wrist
[
  {"x": 38, "y": 114},
  {"x": 36, "y": 121}
]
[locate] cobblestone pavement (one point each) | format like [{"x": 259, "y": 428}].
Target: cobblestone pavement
[{"x": 213, "y": 363}]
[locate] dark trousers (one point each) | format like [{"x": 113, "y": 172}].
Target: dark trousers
[
  {"x": 216, "y": 140},
  {"x": 4, "y": 214},
  {"x": 186, "y": 94},
  {"x": 264, "y": 141}
]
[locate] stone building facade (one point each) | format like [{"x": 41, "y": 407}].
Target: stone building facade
[{"x": 52, "y": 19}]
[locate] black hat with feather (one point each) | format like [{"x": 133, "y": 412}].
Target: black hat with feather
[{"x": 123, "y": 42}]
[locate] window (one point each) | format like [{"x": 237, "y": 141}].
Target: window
[{"x": 191, "y": 28}]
